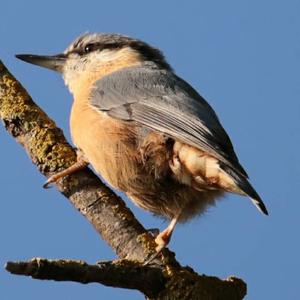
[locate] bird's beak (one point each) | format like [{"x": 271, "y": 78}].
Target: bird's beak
[{"x": 53, "y": 62}]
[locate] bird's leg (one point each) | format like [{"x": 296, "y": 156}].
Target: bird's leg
[
  {"x": 163, "y": 239},
  {"x": 80, "y": 164}
]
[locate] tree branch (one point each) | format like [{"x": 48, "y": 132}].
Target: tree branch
[
  {"x": 50, "y": 152},
  {"x": 122, "y": 273},
  {"x": 131, "y": 275}
]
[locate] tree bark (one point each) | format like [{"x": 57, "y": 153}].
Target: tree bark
[{"x": 48, "y": 149}]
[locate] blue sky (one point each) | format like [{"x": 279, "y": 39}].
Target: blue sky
[{"x": 243, "y": 57}]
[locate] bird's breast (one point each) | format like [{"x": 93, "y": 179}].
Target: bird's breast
[{"x": 109, "y": 145}]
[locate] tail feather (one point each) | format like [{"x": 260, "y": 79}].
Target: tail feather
[{"x": 245, "y": 186}]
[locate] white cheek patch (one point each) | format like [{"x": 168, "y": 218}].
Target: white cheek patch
[
  {"x": 70, "y": 73},
  {"x": 74, "y": 69},
  {"x": 76, "y": 66}
]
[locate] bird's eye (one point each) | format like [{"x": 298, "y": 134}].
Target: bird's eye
[{"x": 88, "y": 48}]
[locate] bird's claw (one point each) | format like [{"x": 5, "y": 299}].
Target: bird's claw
[
  {"x": 47, "y": 185},
  {"x": 162, "y": 240},
  {"x": 50, "y": 180},
  {"x": 151, "y": 258},
  {"x": 153, "y": 231}
]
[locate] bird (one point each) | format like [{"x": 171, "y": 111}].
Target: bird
[{"x": 144, "y": 130}]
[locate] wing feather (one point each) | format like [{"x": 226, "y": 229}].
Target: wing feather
[{"x": 160, "y": 100}]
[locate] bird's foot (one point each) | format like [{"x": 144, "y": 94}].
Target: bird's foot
[
  {"x": 162, "y": 240},
  {"x": 79, "y": 165}
]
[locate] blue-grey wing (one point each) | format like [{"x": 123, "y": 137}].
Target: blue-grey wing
[{"x": 160, "y": 100}]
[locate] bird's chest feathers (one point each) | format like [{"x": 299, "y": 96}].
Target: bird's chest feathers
[{"x": 108, "y": 144}]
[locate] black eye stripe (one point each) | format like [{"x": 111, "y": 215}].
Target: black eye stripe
[
  {"x": 88, "y": 48},
  {"x": 83, "y": 47}
]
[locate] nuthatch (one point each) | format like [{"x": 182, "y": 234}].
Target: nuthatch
[{"x": 146, "y": 131}]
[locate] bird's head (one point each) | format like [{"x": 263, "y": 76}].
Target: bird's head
[{"x": 92, "y": 56}]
